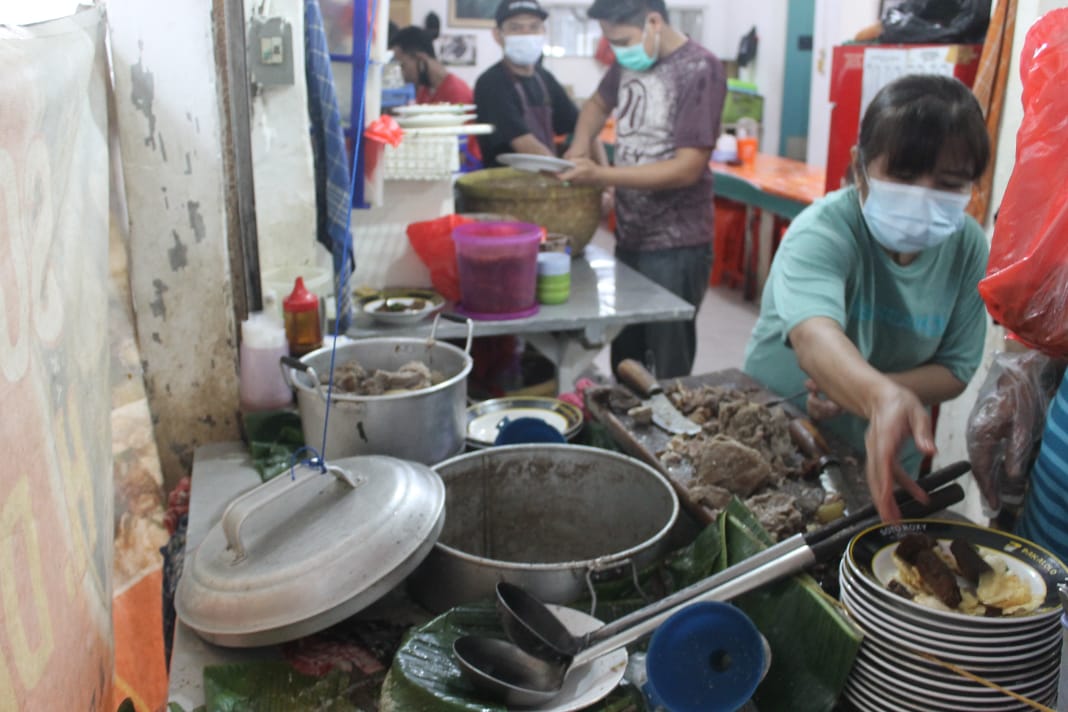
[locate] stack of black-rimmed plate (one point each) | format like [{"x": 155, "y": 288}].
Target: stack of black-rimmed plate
[{"x": 920, "y": 655}]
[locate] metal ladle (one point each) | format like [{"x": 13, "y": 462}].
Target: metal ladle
[
  {"x": 505, "y": 672},
  {"x": 533, "y": 627}
]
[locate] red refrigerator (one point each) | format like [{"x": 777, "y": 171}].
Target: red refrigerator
[{"x": 858, "y": 71}]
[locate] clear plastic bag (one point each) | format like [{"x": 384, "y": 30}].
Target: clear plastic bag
[
  {"x": 1026, "y": 283},
  {"x": 1005, "y": 425},
  {"x": 938, "y": 21}
]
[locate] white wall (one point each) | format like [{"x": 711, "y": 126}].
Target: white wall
[
  {"x": 282, "y": 155},
  {"x": 168, "y": 112},
  {"x": 836, "y": 22},
  {"x": 724, "y": 25}
]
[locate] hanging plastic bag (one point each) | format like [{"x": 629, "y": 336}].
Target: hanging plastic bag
[
  {"x": 1006, "y": 424},
  {"x": 432, "y": 242},
  {"x": 936, "y": 21},
  {"x": 1026, "y": 284}
]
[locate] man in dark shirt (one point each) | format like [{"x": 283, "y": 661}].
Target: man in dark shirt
[{"x": 526, "y": 105}]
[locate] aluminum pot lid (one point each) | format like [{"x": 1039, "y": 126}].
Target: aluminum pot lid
[{"x": 300, "y": 553}]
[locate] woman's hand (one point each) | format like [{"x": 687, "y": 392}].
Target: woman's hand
[{"x": 896, "y": 414}]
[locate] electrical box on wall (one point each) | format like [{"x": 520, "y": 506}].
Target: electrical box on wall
[{"x": 270, "y": 51}]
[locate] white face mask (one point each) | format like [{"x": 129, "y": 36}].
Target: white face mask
[
  {"x": 911, "y": 218},
  {"x": 523, "y": 50}
]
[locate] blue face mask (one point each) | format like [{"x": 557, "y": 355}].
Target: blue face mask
[
  {"x": 911, "y": 218},
  {"x": 634, "y": 57}
]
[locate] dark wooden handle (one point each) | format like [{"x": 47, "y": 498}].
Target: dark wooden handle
[
  {"x": 805, "y": 435},
  {"x": 831, "y": 547},
  {"x": 294, "y": 363},
  {"x": 637, "y": 376},
  {"x": 930, "y": 482}
]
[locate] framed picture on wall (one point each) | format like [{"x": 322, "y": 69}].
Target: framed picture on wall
[
  {"x": 457, "y": 50},
  {"x": 472, "y": 13}
]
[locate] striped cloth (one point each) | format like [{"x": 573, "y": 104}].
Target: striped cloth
[
  {"x": 1045, "y": 514},
  {"x": 333, "y": 189}
]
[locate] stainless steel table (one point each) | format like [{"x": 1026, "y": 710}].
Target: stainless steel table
[{"x": 605, "y": 296}]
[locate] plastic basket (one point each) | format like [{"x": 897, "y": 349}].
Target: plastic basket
[{"x": 422, "y": 158}]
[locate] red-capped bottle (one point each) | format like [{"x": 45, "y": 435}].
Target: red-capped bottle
[{"x": 301, "y": 311}]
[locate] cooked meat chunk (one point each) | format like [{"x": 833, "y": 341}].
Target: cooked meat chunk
[
  {"x": 710, "y": 495},
  {"x": 621, "y": 399},
  {"x": 938, "y": 577},
  {"x": 727, "y": 463},
  {"x": 777, "y": 512},
  {"x": 912, "y": 544},
  {"x": 971, "y": 565},
  {"x": 352, "y": 377},
  {"x": 899, "y": 588},
  {"x": 642, "y": 414}
]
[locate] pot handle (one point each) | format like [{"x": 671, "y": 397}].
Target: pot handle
[
  {"x": 459, "y": 320},
  {"x": 609, "y": 567},
  {"x": 238, "y": 511},
  {"x": 288, "y": 362}
]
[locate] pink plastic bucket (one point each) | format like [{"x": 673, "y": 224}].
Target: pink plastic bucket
[{"x": 498, "y": 266}]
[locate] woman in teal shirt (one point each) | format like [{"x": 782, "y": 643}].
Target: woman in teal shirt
[{"x": 871, "y": 300}]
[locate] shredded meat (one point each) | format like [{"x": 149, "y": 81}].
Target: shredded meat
[
  {"x": 777, "y": 512},
  {"x": 744, "y": 450},
  {"x": 351, "y": 377},
  {"x": 731, "y": 413}
]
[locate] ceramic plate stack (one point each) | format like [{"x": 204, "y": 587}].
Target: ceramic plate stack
[{"x": 1020, "y": 653}]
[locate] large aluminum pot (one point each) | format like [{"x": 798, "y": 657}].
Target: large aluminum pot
[
  {"x": 551, "y": 518},
  {"x": 426, "y": 426}
]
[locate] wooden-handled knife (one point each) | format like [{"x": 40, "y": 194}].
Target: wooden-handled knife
[
  {"x": 665, "y": 414},
  {"x": 805, "y": 435}
]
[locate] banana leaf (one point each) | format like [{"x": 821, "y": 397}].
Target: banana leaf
[
  {"x": 273, "y": 438},
  {"x": 275, "y": 687},
  {"x": 813, "y": 645},
  {"x": 425, "y": 678}
]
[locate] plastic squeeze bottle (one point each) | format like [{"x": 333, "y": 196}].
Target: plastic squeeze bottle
[
  {"x": 261, "y": 385},
  {"x": 303, "y": 329}
]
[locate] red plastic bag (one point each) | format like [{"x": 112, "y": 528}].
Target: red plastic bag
[
  {"x": 432, "y": 242},
  {"x": 1026, "y": 284}
]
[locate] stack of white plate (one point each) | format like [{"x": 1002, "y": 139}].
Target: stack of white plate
[
  {"x": 1019, "y": 653},
  {"x": 418, "y": 116}
]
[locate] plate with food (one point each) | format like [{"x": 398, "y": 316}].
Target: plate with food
[
  {"x": 534, "y": 163},
  {"x": 485, "y": 419},
  {"x": 402, "y": 307},
  {"x": 1026, "y": 632},
  {"x": 966, "y": 572}
]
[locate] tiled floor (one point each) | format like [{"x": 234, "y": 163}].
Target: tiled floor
[{"x": 724, "y": 323}]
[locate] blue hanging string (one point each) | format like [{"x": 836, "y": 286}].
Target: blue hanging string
[
  {"x": 346, "y": 275},
  {"x": 316, "y": 461}
]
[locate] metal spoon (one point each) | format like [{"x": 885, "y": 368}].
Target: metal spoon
[
  {"x": 533, "y": 627},
  {"x": 504, "y": 672}
]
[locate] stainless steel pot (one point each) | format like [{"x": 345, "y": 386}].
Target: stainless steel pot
[
  {"x": 549, "y": 518},
  {"x": 426, "y": 426}
]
